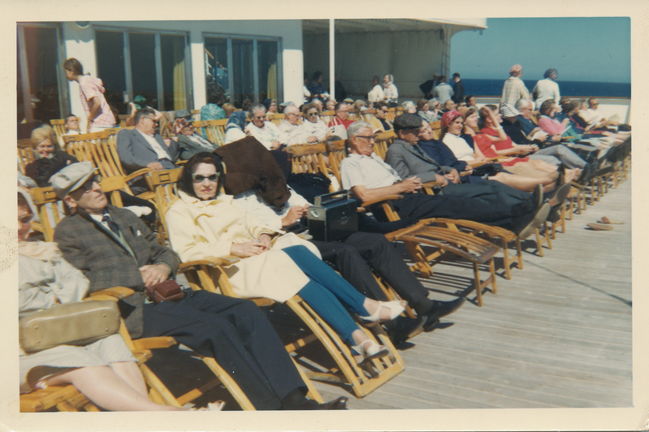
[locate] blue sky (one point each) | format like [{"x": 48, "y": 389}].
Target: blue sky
[{"x": 582, "y": 49}]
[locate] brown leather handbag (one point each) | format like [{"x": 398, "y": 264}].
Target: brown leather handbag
[
  {"x": 168, "y": 290},
  {"x": 78, "y": 323}
]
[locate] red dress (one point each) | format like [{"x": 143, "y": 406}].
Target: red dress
[{"x": 489, "y": 147}]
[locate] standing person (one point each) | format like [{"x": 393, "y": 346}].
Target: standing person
[
  {"x": 547, "y": 88},
  {"x": 376, "y": 93},
  {"x": 390, "y": 90},
  {"x": 458, "y": 88},
  {"x": 443, "y": 91},
  {"x": 99, "y": 115},
  {"x": 513, "y": 90}
]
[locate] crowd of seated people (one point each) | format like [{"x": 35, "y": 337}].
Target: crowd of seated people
[{"x": 511, "y": 173}]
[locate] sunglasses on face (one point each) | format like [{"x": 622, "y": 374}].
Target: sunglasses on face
[
  {"x": 201, "y": 178},
  {"x": 312, "y": 113}
]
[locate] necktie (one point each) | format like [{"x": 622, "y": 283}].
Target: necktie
[{"x": 111, "y": 223}]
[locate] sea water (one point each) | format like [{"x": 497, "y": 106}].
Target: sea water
[{"x": 493, "y": 87}]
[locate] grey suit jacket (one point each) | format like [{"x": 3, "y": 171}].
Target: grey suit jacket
[
  {"x": 135, "y": 152},
  {"x": 93, "y": 249},
  {"x": 408, "y": 162}
]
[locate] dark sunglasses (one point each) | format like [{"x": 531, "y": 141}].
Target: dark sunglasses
[{"x": 201, "y": 178}]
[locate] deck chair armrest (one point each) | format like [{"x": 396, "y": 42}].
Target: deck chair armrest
[
  {"x": 137, "y": 173},
  {"x": 154, "y": 342},
  {"x": 113, "y": 293},
  {"x": 210, "y": 262},
  {"x": 366, "y": 204},
  {"x": 431, "y": 184}
]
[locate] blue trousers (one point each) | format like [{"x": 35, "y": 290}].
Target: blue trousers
[{"x": 327, "y": 291}]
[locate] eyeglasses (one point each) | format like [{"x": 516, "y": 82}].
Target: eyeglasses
[
  {"x": 367, "y": 137},
  {"x": 312, "y": 113},
  {"x": 201, "y": 178}
]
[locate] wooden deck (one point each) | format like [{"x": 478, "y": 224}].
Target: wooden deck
[{"x": 557, "y": 335}]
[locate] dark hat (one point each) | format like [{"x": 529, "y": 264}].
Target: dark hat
[{"x": 407, "y": 121}]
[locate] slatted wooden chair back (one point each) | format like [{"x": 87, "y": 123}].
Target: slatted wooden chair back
[
  {"x": 213, "y": 130},
  {"x": 336, "y": 153},
  {"x": 25, "y": 154},
  {"x": 308, "y": 158},
  {"x": 164, "y": 184},
  {"x": 50, "y": 211},
  {"x": 327, "y": 116},
  {"x": 382, "y": 141},
  {"x": 59, "y": 130},
  {"x": 276, "y": 118},
  {"x": 437, "y": 129}
]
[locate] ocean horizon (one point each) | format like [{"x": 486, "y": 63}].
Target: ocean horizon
[{"x": 493, "y": 87}]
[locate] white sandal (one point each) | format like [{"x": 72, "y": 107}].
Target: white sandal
[
  {"x": 395, "y": 308},
  {"x": 369, "y": 350}
]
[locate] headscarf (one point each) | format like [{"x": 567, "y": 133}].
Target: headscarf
[
  {"x": 212, "y": 112},
  {"x": 449, "y": 116}
]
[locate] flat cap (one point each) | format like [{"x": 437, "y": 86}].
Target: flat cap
[
  {"x": 71, "y": 178},
  {"x": 407, "y": 121}
]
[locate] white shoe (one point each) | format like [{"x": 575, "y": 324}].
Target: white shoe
[
  {"x": 394, "y": 307},
  {"x": 369, "y": 350}
]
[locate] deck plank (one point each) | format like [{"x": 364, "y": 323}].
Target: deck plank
[{"x": 557, "y": 335}]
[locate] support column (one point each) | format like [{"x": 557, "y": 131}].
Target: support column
[{"x": 332, "y": 59}]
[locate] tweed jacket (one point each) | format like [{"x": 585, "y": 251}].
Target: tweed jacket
[
  {"x": 135, "y": 152},
  {"x": 408, "y": 162},
  {"x": 90, "y": 247}
]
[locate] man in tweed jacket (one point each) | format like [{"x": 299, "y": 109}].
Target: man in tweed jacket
[{"x": 113, "y": 247}]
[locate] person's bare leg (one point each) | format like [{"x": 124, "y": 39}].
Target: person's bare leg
[
  {"x": 523, "y": 183},
  {"x": 102, "y": 386},
  {"x": 131, "y": 375}
]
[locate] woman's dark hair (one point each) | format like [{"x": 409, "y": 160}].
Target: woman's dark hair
[
  {"x": 467, "y": 99},
  {"x": 546, "y": 106},
  {"x": 569, "y": 105},
  {"x": 186, "y": 183},
  {"x": 484, "y": 114},
  {"x": 73, "y": 65},
  {"x": 421, "y": 103}
]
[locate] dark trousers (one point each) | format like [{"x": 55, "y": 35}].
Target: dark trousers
[
  {"x": 487, "y": 210},
  {"x": 360, "y": 251},
  {"x": 238, "y": 334}
]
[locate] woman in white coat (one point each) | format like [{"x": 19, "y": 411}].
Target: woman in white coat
[{"x": 206, "y": 223}]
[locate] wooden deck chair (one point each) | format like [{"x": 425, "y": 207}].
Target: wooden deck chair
[
  {"x": 209, "y": 274},
  {"x": 213, "y": 130},
  {"x": 336, "y": 152},
  {"x": 25, "y": 154},
  {"x": 441, "y": 239},
  {"x": 313, "y": 159},
  {"x": 60, "y": 398},
  {"x": 100, "y": 148},
  {"x": 159, "y": 392}
]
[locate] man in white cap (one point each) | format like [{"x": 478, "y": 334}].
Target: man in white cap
[
  {"x": 513, "y": 90},
  {"x": 112, "y": 247}
]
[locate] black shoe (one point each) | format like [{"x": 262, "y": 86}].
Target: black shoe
[
  {"x": 336, "y": 404},
  {"x": 537, "y": 196},
  {"x": 400, "y": 328},
  {"x": 441, "y": 309},
  {"x": 309, "y": 404},
  {"x": 430, "y": 321}
]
